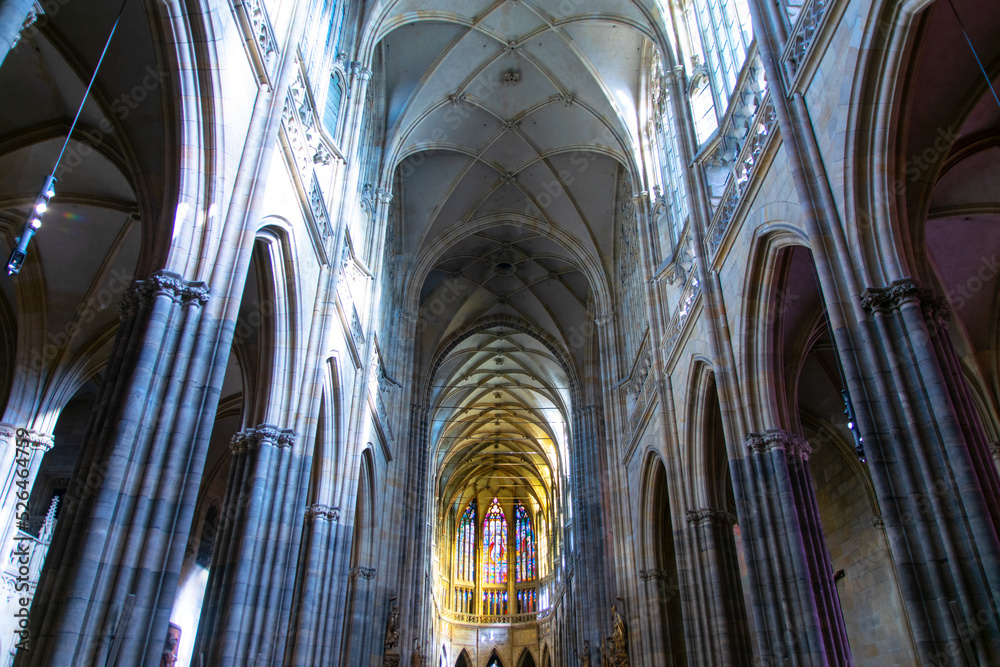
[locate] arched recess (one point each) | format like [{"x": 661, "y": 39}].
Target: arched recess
[
  {"x": 494, "y": 660},
  {"x": 359, "y": 589},
  {"x": 464, "y": 660},
  {"x": 812, "y": 384},
  {"x": 663, "y": 589},
  {"x": 326, "y": 453},
  {"x": 526, "y": 659},
  {"x": 716, "y": 532},
  {"x": 275, "y": 316},
  {"x": 763, "y": 303}
]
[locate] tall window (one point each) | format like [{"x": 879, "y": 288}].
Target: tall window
[
  {"x": 465, "y": 545},
  {"x": 495, "y": 545},
  {"x": 331, "y": 112},
  {"x": 725, "y": 33},
  {"x": 526, "y": 569}
]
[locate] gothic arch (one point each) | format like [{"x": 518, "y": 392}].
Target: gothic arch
[
  {"x": 493, "y": 658},
  {"x": 464, "y": 659},
  {"x": 763, "y": 306},
  {"x": 660, "y": 567},
  {"x": 526, "y": 659}
]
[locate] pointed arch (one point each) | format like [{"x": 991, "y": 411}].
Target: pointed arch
[
  {"x": 464, "y": 659},
  {"x": 526, "y": 659},
  {"x": 494, "y": 660}
]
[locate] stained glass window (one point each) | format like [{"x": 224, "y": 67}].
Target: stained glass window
[
  {"x": 527, "y": 601},
  {"x": 526, "y": 569},
  {"x": 465, "y": 545},
  {"x": 495, "y": 545},
  {"x": 495, "y": 602}
]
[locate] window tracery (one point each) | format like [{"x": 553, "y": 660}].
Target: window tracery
[
  {"x": 495, "y": 545},
  {"x": 465, "y": 545},
  {"x": 525, "y": 536}
]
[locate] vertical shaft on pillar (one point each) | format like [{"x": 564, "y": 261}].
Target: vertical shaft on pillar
[
  {"x": 723, "y": 617},
  {"x": 930, "y": 464},
  {"x": 796, "y": 607},
  {"x": 118, "y": 534},
  {"x": 243, "y": 587}
]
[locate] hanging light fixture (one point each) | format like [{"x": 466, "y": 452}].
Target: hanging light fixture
[
  {"x": 852, "y": 424},
  {"x": 34, "y": 220}
]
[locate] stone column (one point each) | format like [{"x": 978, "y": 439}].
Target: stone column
[
  {"x": 310, "y": 643},
  {"x": 797, "y": 611},
  {"x": 119, "y": 544},
  {"x": 239, "y": 623},
  {"x": 589, "y": 474},
  {"x": 722, "y": 635},
  {"x": 15, "y": 15},
  {"x": 932, "y": 469}
]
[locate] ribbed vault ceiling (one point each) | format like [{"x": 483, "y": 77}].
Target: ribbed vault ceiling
[{"x": 508, "y": 124}]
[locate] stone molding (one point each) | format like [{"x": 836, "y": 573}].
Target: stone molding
[
  {"x": 163, "y": 282},
  {"x": 319, "y": 512},
  {"x": 366, "y": 573},
  {"x": 761, "y": 443},
  {"x": 253, "y": 438},
  {"x": 877, "y": 521},
  {"x": 892, "y": 296},
  {"x": 711, "y": 517},
  {"x": 795, "y": 446},
  {"x": 34, "y": 439},
  {"x": 800, "y": 448}
]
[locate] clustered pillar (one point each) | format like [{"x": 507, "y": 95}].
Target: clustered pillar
[
  {"x": 115, "y": 558},
  {"x": 722, "y": 636},
  {"x": 796, "y": 607},
  {"x": 315, "y": 633},
  {"x": 241, "y": 618},
  {"x": 932, "y": 469}
]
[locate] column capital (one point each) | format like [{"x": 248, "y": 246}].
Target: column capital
[
  {"x": 34, "y": 439},
  {"x": 267, "y": 433},
  {"x": 799, "y": 447},
  {"x": 366, "y": 573},
  {"x": 711, "y": 516},
  {"x": 162, "y": 282},
  {"x": 319, "y": 512},
  {"x": 892, "y": 296},
  {"x": 775, "y": 438}
]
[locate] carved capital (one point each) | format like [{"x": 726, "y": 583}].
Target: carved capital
[
  {"x": 162, "y": 283},
  {"x": 34, "y": 439},
  {"x": 711, "y": 517},
  {"x": 240, "y": 442},
  {"x": 877, "y": 521},
  {"x": 995, "y": 450},
  {"x": 360, "y": 71},
  {"x": 320, "y": 512},
  {"x": 604, "y": 319},
  {"x": 366, "y": 573},
  {"x": 653, "y": 574},
  {"x": 799, "y": 448},
  {"x": 761, "y": 443},
  {"x": 274, "y": 435},
  {"x": 891, "y": 297}
]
